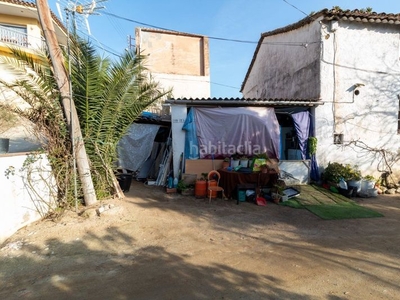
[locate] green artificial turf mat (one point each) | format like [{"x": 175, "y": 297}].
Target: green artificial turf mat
[
  {"x": 328, "y": 205},
  {"x": 342, "y": 211}
]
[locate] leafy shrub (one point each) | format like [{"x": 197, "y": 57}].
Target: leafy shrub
[{"x": 335, "y": 171}]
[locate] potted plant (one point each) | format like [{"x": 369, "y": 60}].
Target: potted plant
[
  {"x": 369, "y": 181},
  {"x": 264, "y": 168},
  {"x": 260, "y": 160},
  {"x": 184, "y": 188},
  {"x": 235, "y": 160},
  {"x": 354, "y": 178},
  {"x": 334, "y": 172},
  {"x": 277, "y": 193},
  {"x": 225, "y": 163},
  {"x": 244, "y": 161}
]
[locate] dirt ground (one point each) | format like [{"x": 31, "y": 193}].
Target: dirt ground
[{"x": 151, "y": 245}]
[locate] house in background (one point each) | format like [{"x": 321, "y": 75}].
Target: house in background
[
  {"x": 20, "y": 28},
  {"x": 176, "y": 60},
  {"x": 350, "y": 62}
]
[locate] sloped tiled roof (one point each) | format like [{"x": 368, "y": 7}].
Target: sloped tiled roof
[
  {"x": 244, "y": 102},
  {"x": 341, "y": 15},
  {"x": 18, "y": 2},
  {"x": 32, "y": 4},
  {"x": 356, "y": 15}
]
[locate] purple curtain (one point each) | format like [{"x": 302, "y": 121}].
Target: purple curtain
[
  {"x": 229, "y": 130},
  {"x": 304, "y": 128},
  {"x": 301, "y": 122}
]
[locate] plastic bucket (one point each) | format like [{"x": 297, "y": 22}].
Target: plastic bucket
[
  {"x": 244, "y": 163},
  {"x": 355, "y": 183},
  {"x": 235, "y": 163},
  {"x": 367, "y": 185},
  {"x": 4, "y": 145},
  {"x": 200, "y": 189},
  {"x": 124, "y": 181},
  {"x": 348, "y": 192}
]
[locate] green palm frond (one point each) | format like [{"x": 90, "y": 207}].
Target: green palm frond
[{"x": 109, "y": 96}]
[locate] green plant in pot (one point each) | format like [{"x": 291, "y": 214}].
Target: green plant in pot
[
  {"x": 244, "y": 161},
  {"x": 333, "y": 173},
  {"x": 336, "y": 171},
  {"x": 351, "y": 173},
  {"x": 369, "y": 178},
  {"x": 264, "y": 168},
  {"x": 312, "y": 145},
  {"x": 235, "y": 160},
  {"x": 182, "y": 186},
  {"x": 354, "y": 178},
  {"x": 277, "y": 193},
  {"x": 225, "y": 163}
]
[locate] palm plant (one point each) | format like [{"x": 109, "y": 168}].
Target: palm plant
[
  {"x": 108, "y": 96},
  {"x": 35, "y": 85}
]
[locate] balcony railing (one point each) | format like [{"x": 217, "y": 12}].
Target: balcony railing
[
  {"x": 13, "y": 37},
  {"x": 16, "y": 38}
]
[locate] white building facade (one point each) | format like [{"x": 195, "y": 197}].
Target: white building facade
[{"x": 350, "y": 61}]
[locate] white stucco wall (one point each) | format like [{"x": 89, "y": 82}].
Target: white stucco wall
[
  {"x": 349, "y": 53},
  {"x": 27, "y": 195},
  {"x": 184, "y": 86},
  {"x": 369, "y": 55},
  {"x": 286, "y": 66}
]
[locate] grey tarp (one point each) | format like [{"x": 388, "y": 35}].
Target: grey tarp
[
  {"x": 135, "y": 147},
  {"x": 229, "y": 130}
]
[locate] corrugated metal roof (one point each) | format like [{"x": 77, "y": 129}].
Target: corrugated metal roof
[
  {"x": 356, "y": 15},
  {"x": 244, "y": 102}
]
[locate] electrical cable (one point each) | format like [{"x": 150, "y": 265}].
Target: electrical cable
[
  {"x": 296, "y": 8},
  {"x": 212, "y": 37}
]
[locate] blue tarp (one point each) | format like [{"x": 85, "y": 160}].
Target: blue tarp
[{"x": 191, "y": 142}]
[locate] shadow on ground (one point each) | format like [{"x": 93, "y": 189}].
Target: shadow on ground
[
  {"x": 135, "y": 273},
  {"x": 161, "y": 246}
]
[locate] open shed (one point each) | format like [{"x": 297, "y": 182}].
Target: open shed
[{"x": 204, "y": 131}]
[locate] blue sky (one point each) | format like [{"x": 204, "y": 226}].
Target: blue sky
[{"x": 229, "y": 19}]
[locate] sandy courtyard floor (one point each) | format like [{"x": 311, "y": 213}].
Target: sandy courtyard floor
[{"x": 151, "y": 245}]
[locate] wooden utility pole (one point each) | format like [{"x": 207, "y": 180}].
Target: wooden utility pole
[{"x": 68, "y": 104}]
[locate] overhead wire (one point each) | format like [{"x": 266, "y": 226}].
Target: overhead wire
[
  {"x": 114, "y": 52},
  {"x": 209, "y": 37},
  {"x": 295, "y": 7}
]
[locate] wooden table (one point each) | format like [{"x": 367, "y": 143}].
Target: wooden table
[{"x": 230, "y": 180}]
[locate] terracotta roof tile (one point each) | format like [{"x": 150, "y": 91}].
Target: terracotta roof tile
[{"x": 345, "y": 15}]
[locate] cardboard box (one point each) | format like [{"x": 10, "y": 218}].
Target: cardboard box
[{"x": 198, "y": 166}]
